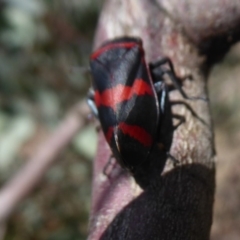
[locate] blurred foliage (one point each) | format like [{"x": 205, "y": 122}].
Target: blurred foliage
[
  {"x": 224, "y": 91},
  {"x": 224, "y": 84},
  {"x": 43, "y": 45}
]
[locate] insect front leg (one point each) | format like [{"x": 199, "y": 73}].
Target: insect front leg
[
  {"x": 158, "y": 71},
  {"x": 91, "y": 102}
]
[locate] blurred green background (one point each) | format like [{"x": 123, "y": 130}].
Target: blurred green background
[{"x": 43, "y": 44}]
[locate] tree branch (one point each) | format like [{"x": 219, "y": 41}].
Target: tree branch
[{"x": 179, "y": 203}]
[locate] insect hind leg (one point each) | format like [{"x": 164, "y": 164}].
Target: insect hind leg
[{"x": 181, "y": 120}]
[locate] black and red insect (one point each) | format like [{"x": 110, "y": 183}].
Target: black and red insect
[{"x": 131, "y": 101}]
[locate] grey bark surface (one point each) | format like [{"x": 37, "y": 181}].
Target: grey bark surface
[{"x": 179, "y": 204}]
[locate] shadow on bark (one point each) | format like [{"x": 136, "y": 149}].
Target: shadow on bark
[{"x": 170, "y": 208}]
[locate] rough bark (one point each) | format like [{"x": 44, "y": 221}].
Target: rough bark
[{"x": 179, "y": 204}]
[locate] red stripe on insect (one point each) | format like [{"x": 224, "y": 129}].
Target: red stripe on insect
[
  {"x": 113, "y": 45},
  {"x": 113, "y": 96},
  {"x": 136, "y": 132},
  {"x": 109, "y": 134}
]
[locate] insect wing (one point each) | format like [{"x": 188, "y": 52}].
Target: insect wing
[
  {"x": 138, "y": 119},
  {"x": 126, "y": 100}
]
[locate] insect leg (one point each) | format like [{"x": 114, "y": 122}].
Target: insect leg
[
  {"x": 158, "y": 72},
  {"x": 91, "y": 103}
]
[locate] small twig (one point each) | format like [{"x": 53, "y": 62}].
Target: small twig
[
  {"x": 2, "y": 231},
  {"x": 29, "y": 176}
]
